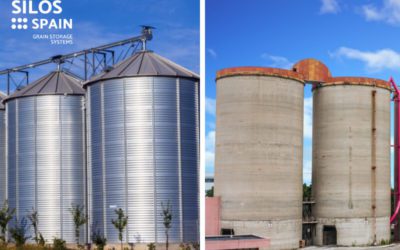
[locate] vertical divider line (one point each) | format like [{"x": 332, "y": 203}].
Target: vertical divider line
[
  {"x": 154, "y": 163},
  {"x": 178, "y": 112},
  {"x": 6, "y": 151},
  {"x": 198, "y": 139},
  {"x": 125, "y": 159},
  {"x": 103, "y": 160},
  {"x": 85, "y": 167},
  {"x": 17, "y": 158},
  {"x": 61, "y": 166},
  {"x": 36, "y": 170}
]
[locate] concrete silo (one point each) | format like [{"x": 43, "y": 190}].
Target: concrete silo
[
  {"x": 46, "y": 152},
  {"x": 3, "y": 171},
  {"x": 351, "y": 161},
  {"x": 259, "y": 153},
  {"x": 143, "y": 149}
]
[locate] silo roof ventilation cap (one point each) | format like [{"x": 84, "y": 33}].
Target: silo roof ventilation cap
[
  {"x": 54, "y": 83},
  {"x": 145, "y": 63}
]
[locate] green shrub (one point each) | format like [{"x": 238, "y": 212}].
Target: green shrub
[
  {"x": 99, "y": 240},
  {"x": 384, "y": 242},
  {"x": 59, "y": 244},
  {"x": 184, "y": 246},
  {"x": 151, "y": 246},
  {"x": 19, "y": 233},
  {"x": 120, "y": 223},
  {"x": 6, "y": 215},
  {"x": 196, "y": 245}
]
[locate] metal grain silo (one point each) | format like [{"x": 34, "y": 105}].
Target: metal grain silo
[
  {"x": 3, "y": 171},
  {"x": 259, "y": 153},
  {"x": 143, "y": 148},
  {"x": 46, "y": 152},
  {"x": 351, "y": 161}
]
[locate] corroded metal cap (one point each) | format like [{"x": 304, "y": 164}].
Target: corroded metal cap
[
  {"x": 364, "y": 81},
  {"x": 312, "y": 70},
  {"x": 307, "y": 70},
  {"x": 259, "y": 71}
]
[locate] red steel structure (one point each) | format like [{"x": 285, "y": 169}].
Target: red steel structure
[{"x": 396, "y": 100}]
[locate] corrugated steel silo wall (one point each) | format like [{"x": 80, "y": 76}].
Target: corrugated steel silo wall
[
  {"x": 143, "y": 147},
  {"x": 3, "y": 171},
  {"x": 46, "y": 161}
]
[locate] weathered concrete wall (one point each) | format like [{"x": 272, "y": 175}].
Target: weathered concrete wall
[
  {"x": 355, "y": 232},
  {"x": 259, "y": 153},
  {"x": 284, "y": 234},
  {"x": 345, "y": 185}
]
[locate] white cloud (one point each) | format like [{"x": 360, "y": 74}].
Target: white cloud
[
  {"x": 374, "y": 60},
  {"x": 392, "y": 143},
  {"x": 180, "y": 45},
  {"x": 210, "y": 149},
  {"x": 211, "y": 125},
  {"x": 329, "y": 6},
  {"x": 307, "y": 150},
  {"x": 307, "y": 171},
  {"x": 210, "y": 158},
  {"x": 308, "y": 108},
  {"x": 210, "y": 141},
  {"x": 277, "y": 61},
  {"x": 210, "y": 106},
  {"x": 371, "y": 13},
  {"x": 212, "y": 53},
  {"x": 389, "y": 12}
]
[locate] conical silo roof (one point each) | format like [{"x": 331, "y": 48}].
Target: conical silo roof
[
  {"x": 145, "y": 63},
  {"x": 54, "y": 83}
]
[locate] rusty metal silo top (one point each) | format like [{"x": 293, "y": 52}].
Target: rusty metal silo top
[
  {"x": 363, "y": 81},
  {"x": 306, "y": 71},
  {"x": 259, "y": 71},
  {"x": 54, "y": 83},
  {"x": 144, "y": 63},
  {"x": 312, "y": 70}
]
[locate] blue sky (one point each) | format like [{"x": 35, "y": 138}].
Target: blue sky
[
  {"x": 353, "y": 38},
  {"x": 97, "y": 22}
]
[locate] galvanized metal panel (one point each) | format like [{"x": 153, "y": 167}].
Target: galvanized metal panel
[
  {"x": 190, "y": 134},
  {"x": 139, "y": 144},
  {"x": 46, "y": 160},
  {"x": 136, "y": 156},
  {"x": 3, "y": 171},
  {"x": 11, "y": 131}
]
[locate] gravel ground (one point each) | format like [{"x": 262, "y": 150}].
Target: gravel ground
[{"x": 387, "y": 247}]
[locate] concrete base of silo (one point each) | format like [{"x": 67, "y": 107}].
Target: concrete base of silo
[
  {"x": 353, "y": 231},
  {"x": 145, "y": 246},
  {"x": 284, "y": 234}
]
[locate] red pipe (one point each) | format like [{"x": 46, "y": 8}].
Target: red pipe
[{"x": 396, "y": 100}]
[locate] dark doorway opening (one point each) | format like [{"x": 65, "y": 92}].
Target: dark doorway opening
[
  {"x": 227, "y": 231},
  {"x": 329, "y": 235}
]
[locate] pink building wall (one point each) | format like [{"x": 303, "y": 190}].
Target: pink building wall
[
  {"x": 237, "y": 244},
  {"x": 213, "y": 216}
]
